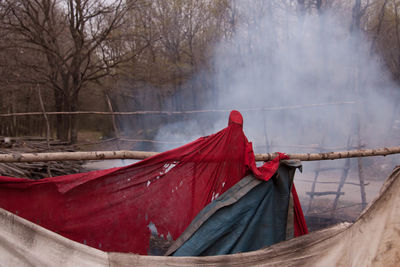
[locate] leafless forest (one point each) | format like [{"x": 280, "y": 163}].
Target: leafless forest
[
  {"x": 139, "y": 55},
  {"x": 80, "y": 54}
]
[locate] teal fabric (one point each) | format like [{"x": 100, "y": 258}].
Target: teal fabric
[{"x": 255, "y": 220}]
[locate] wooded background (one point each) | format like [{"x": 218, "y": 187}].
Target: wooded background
[{"x": 133, "y": 55}]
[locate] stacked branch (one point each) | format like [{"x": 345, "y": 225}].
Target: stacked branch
[{"x": 36, "y": 169}]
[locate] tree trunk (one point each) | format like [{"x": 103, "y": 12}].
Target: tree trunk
[
  {"x": 356, "y": 17},
  {"x": 73, "y": 119},
  {"x": 62, "y": 121}
]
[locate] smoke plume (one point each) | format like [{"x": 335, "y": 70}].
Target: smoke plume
[{"x": 317, "y": 81}]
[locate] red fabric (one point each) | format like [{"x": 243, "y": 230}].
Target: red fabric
[
  {"x": 300, "y": 226},
  {"x": 270, "y": 167},
  {"x": 114, "y": 209}
]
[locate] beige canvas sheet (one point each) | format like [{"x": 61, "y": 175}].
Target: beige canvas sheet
[{"x": 373, "y": 240}]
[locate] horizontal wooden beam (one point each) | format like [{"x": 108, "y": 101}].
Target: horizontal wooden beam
[
  {"x": 125, "y": 154},
  {"x": 318, "y": 194},
  {"x": 335, "y": 155},
  {"x": 72, "y": 156},
  {"x": 155, "y": 112}
]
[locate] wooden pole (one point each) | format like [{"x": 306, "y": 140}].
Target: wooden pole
[
  {"x": 345, "y": 173},
  {"x": 361, "y": 173},
  {"x": 125, "y": 154},
  {"x": 316, "y": 174},
  {"x": 110, "y": 107},
  {"x": 72, "y": 156},
  {"x": 152, "y": 112},
  {"x": 45, "y": 117},
  {"x": 334, "y": 155},
  {"x": 47, "y": 126},
  {"x": 362, "y": 183},
  {"x": 339, "y": 192}
]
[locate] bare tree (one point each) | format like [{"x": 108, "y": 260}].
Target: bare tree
[{"x": 76, "y": 40}]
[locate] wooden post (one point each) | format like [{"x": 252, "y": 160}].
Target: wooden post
[
  {"x": 45, "y": 117},
  {"x": 339, "y": 192},
  {"x": 116, "y": 132},
  {"x": 317, "y": 170},
  {"x": 47, "y": 126},
  {"x": 316, "y": 174},
  {"x": 13, "y": 122},
  {"x": 360, "y": 170},
  {"x": 345, "y": 173},
  {"x": 362, "y": 183}
]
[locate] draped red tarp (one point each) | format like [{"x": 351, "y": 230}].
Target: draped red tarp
[{"x": 117, "y": 209}]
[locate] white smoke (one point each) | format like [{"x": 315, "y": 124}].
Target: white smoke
[
  {"x": 320, "y": 84},
  {"x": 280, "y": 59}
]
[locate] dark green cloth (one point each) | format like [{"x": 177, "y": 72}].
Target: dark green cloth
[{"x": 250, "y": 215}]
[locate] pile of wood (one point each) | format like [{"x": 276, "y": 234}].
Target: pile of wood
[{"x": 36, "y": 170}]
